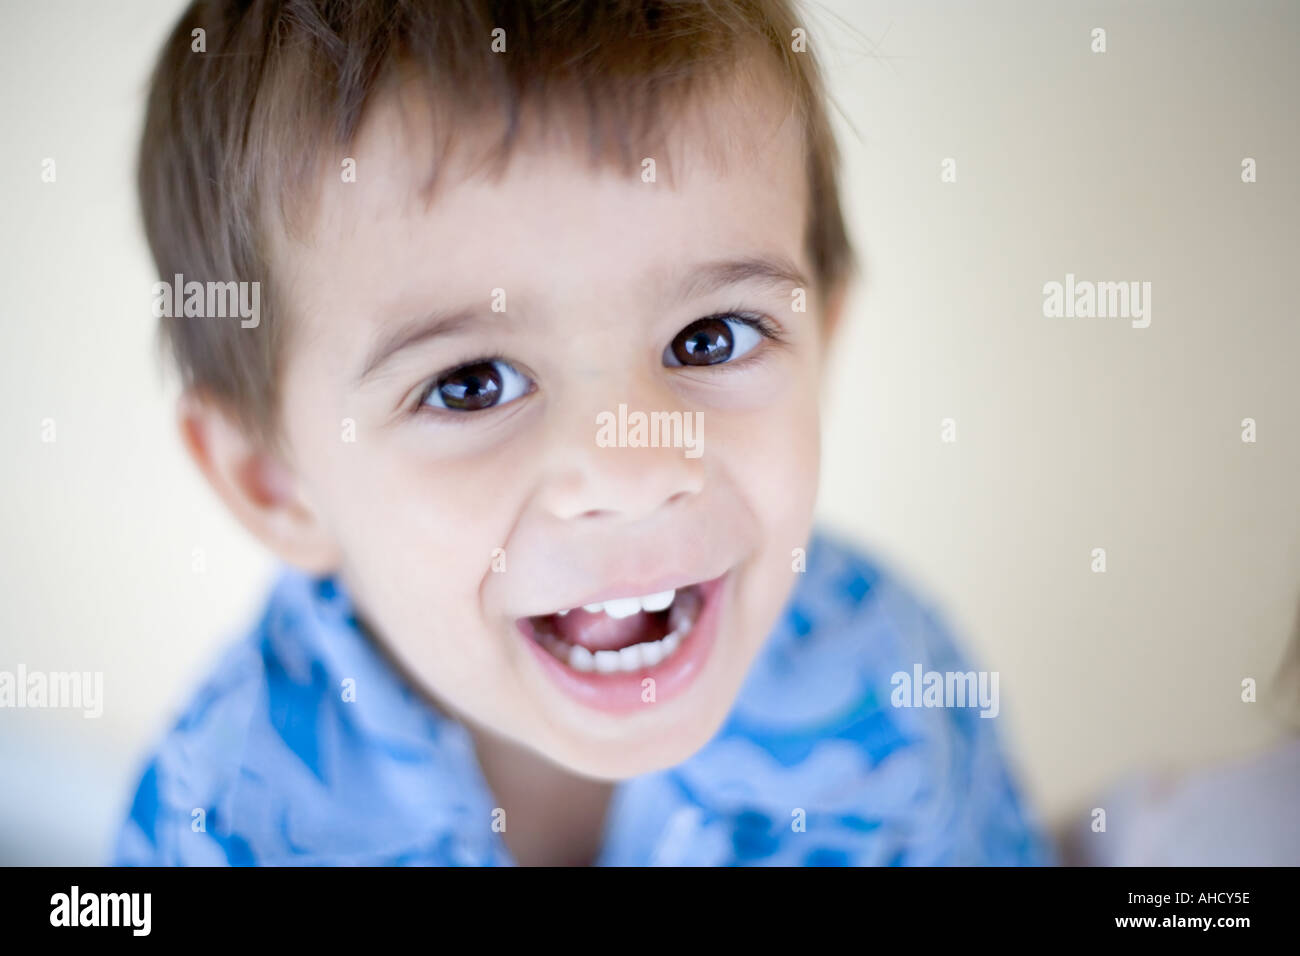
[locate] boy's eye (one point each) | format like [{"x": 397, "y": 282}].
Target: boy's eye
[
  {"x": 480, "y": 385},
  {"x": 712, "y": 341}
]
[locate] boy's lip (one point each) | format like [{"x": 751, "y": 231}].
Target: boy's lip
[{"x": 665, "y": 582}]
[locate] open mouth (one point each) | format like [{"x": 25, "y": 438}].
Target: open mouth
[{"x": 623, "y": 635}]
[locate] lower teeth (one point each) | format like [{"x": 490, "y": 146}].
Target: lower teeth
[{"x": 628, "y": 660}]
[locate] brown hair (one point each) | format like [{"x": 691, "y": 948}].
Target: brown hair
[{"x": 236, "y": 129}]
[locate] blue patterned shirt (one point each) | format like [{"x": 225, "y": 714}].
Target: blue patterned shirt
[{"x": 813, "y": 766}]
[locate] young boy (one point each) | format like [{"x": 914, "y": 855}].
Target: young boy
[{"x": 530, "y": 408}]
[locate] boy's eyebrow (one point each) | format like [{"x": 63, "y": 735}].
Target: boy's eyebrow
[
  {"x": 412, "y": 333},
  {"x": 700, "y": 281},
  {"x": 714, "y": 276}
]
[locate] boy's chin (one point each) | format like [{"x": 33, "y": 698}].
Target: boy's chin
[{"x": 615, "y": 761}]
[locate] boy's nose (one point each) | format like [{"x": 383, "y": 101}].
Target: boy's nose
[{"x": 601, "y": 468}]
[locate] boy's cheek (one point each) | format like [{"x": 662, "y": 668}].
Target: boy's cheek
[
  {"x": 786, "y": 479},
  {"x": 416, "y": 534},
  {"x": 769, "y": 448},
  {"x": 441, "y": 524}
]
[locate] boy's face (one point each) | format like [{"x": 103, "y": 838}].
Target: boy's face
[{"x": 470, "y": 506}]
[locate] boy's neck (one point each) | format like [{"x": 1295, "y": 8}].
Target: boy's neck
[{"x": 552, "y": 817}]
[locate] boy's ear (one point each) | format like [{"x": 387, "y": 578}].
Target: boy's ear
[{"x": 255, "y": 485}]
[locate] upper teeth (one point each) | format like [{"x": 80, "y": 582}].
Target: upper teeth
[{"x": 625, "y": 607}]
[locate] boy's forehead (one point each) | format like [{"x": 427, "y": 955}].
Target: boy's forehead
[{"x": 728, "y": 178}]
